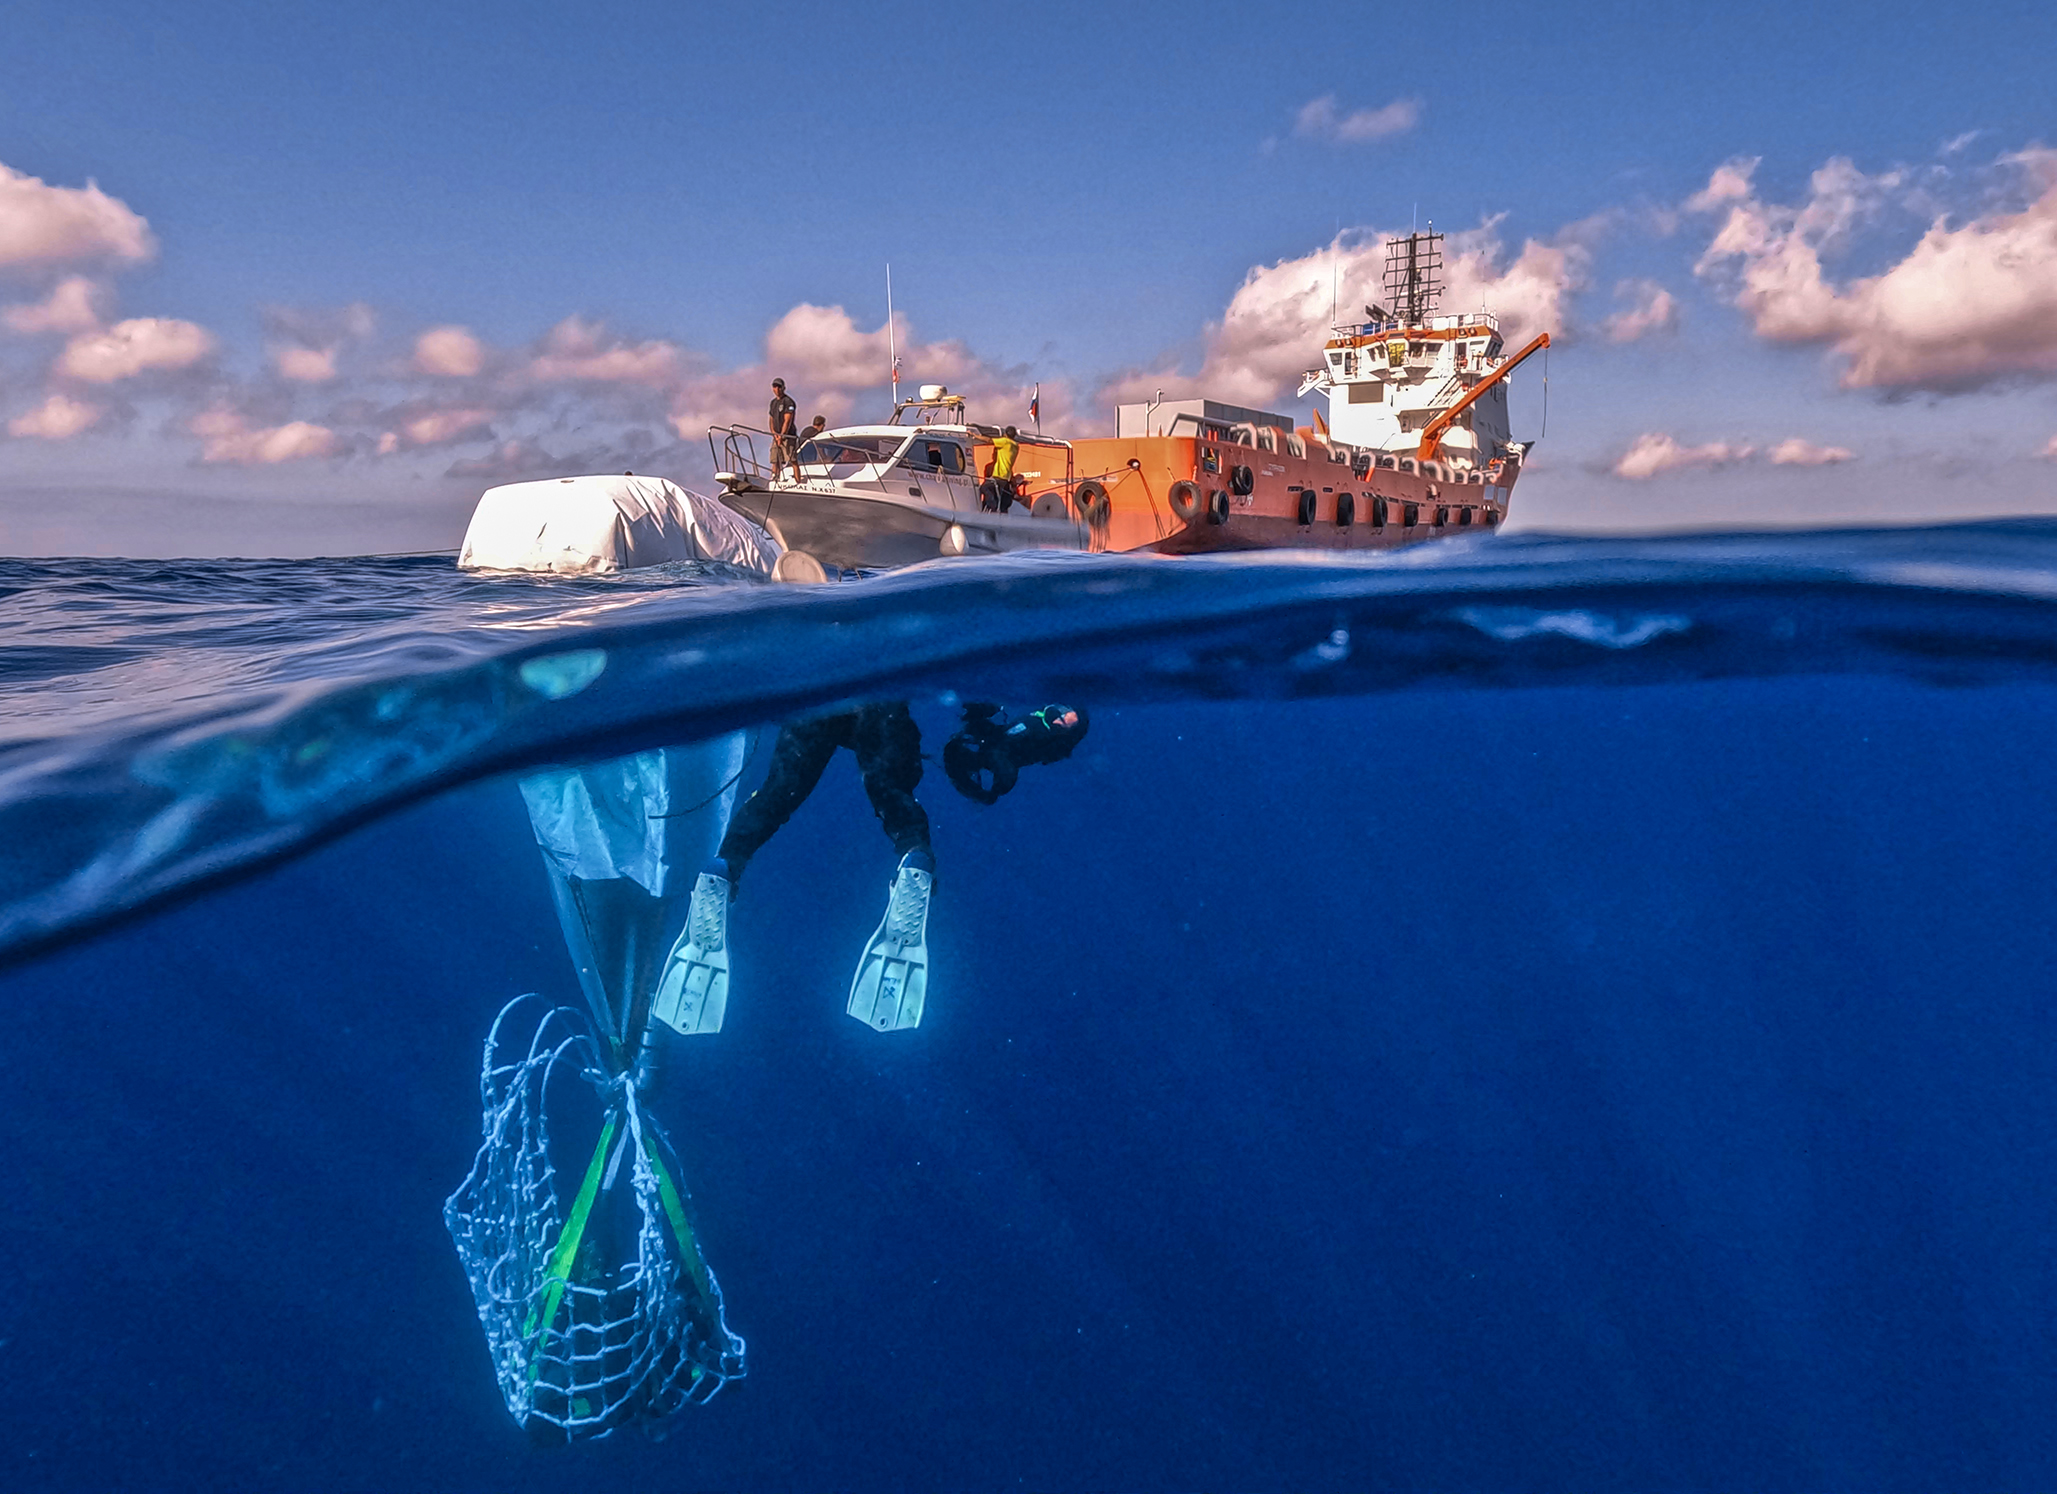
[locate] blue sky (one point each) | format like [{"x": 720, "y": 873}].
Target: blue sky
[{"x": 636, "y": 213}]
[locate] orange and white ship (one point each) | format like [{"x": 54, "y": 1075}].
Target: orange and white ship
[{"x": 1416, "y": 445}]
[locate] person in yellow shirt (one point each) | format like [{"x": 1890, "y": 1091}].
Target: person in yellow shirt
[{"x": 997, "y": 491}]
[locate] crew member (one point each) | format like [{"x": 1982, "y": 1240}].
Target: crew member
[
  {"x": 784, "y": 430},
  {"x": 996, "y": 493}
]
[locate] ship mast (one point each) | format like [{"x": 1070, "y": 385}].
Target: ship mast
[{"x": 1414, "y": 276}]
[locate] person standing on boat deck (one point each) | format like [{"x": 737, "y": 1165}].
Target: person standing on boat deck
[
  {"x": 998, "y": 487},
  {"x": 784, "y": 432}
]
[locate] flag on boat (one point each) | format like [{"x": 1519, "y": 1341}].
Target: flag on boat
[{"x": 1036, "y": 407}]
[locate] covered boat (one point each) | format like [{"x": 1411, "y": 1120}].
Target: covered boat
[{"x": 573, "y": 525}]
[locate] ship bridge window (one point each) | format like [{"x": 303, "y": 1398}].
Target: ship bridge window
[
  {"x": 930, "y": 455},
  {"x": 1350, "y": 365},
  {"x": 844, "y": 454}
]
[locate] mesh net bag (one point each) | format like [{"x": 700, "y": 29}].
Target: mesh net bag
[{"x": 598, "y": 1315}]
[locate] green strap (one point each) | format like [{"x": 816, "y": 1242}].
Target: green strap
[
  {"x": 675, "y": 1211},
  {"x": 558, "y": 1272}
]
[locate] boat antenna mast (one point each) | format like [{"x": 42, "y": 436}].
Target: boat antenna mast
[
  {"x": 892, "y": 345},
  {"x": 1414, "y": 275}
]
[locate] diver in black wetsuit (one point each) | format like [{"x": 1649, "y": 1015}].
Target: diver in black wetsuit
[
  {"x": 892, "y": 974},
  {"x": 987, "y": 755},
  {"x": 887, "y": 745},
  {"x": 983, "y": 760}
]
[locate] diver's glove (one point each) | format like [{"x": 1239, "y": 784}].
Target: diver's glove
[
  {"x": 693, "y": 991},
  {"x": 893, "y": 975}
]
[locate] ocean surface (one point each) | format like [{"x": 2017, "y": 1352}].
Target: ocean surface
[{"x": 1517, "y": 1013}]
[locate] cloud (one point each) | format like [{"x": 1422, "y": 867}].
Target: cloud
[
  {"x": 821, "y": 345},
  {"x": 305, "y": 344},
  {"x": 41, "y": 224},
  {"x": 1320, "y": 119},
  {"x": 73, "y": 305},
  {"x": 305, "y": 365},
  {"x": 580, "y": 351},
  {"x": 1796, "y": 451},
  {"x": 1730, "y": 182},
  {"x": 1651, "y": 308},
  {"x": 58, "y": 418},
  {"x": 1655, "y": 452},
  {"x": 449, "y": 353},
  {"x": 509, "y": 462},
  {"x": 137, "y": 346},
  {"x": 229, "y": 438},
  {"x": 1275, "y": 324},
  {"x": 435, "y": 428},
  {"x": 1966, "y": 306}
]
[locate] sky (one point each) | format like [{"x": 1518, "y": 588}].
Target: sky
[{"x": 287, "y": 281}]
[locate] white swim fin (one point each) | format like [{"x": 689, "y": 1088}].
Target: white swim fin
[
  {"x": 893, "y": 975},
  {"x": 693, "y": 992}
]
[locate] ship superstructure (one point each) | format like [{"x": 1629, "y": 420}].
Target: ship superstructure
[{"x": 1407, "y": 379}]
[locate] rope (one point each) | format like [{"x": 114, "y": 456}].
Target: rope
[{"x": 756, "y": 740}]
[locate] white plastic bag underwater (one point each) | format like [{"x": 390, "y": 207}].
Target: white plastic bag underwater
[
  {"x": 600, "y": 1313},
  {"x": 624, "y": 841}
]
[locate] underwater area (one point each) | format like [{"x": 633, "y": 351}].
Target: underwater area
[{"x": 1514, "y": 1013}]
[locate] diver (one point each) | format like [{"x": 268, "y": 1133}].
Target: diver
[
  {"x": 892, "y": 975},
  {"x": 986, "y": 757},
  {"x": 983, "y": 760}
]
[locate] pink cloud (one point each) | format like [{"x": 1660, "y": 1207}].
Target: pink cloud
[
  {"x": 230, "y": 439},
  {"x": 58, "y": 418},
  {"x": 436, "y": 428},
  {"x": 449, "y": 353},
  {"x": 581, "y": 351},
  {"x": 1655, "y": 452},
  {"x": 1965, "y": 306},
  {"x": 821, "y": 345},
  {"x": 1651, "y": 308},
  {"x": 305, "y": 365},
  {"x": 1796, "y": 451},
  {"x": 42, "y": 224},
  {"x": 1320, "y": 119},
  {"x": 73, "y": 305},
  {"x": 137, "y": 346}
]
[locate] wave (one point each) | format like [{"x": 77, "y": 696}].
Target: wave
[{"x": 172, "y": 725}]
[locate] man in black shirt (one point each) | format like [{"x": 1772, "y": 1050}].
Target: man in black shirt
[{"x": 784, "y": 430}]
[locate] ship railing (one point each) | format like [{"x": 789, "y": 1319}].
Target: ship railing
[
  {"x": 734, "y": 449},
  {"x": 1484, "y": 321}
]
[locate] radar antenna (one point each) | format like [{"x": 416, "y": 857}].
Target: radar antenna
[{"x": 1414, "y": 275}]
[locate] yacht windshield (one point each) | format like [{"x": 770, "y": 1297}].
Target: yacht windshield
[{"x": 848, "y": 452}]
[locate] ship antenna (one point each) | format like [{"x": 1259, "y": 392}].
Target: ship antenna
[{"x": 892, "y": 347}]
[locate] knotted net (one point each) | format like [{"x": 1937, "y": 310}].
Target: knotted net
[{"x": 603, "y": 1313}]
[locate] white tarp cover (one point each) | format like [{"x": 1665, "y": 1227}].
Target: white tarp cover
[{"x": 607, "y": 523}]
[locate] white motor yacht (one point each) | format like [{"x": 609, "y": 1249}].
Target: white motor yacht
[{"x": 871, "y": 496}]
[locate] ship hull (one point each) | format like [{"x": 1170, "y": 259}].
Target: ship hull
[{"x": 850, "y": 529}]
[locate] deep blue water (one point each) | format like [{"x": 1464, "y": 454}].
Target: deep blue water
[{"x": 1521, "y": 1014}]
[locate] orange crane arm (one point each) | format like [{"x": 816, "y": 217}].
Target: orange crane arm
[{"x": 1432, "y": 433}]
